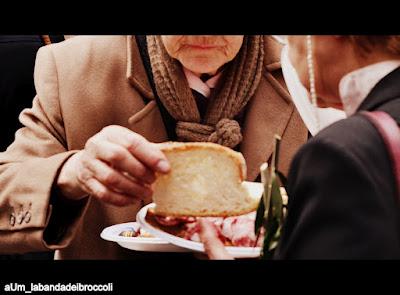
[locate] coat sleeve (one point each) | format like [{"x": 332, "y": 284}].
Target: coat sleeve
[
  {"x": 33, "y": 215},
  {"x": 336, "y": 208}
]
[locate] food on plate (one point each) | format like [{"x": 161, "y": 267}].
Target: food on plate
[
  {"x": 135, "y": 233},
  {"x": 206, "y": 179},
  {"x": 235, "y": 231}
]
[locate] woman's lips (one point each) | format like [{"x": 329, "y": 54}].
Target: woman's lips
[{"x": 201, "y": 46}]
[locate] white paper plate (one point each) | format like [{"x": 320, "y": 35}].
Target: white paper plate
[
  {"x": 237, "y": 252},
  {"x": 112, "y": 233}
]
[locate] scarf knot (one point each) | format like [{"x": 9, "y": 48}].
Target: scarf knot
[{"x": 226, "y": 132}]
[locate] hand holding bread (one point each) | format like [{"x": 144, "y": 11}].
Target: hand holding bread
[{"x": 116, "y": 166}]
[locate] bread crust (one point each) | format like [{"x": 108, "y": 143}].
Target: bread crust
[
  {"x": 185, "y": 146},
  {"x": 206, "y": 214}
]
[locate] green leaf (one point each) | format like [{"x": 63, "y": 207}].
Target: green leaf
[
  {"x": 276, "y": 150},
  {"x": 274, "y": 219},
  {"x": 276, "y": 199},
  {"x": 270, "y": 214},
  {"x": 259, "y": 217},
  {"x": 271, "y": 229},
  {"x": 282, "y": 178},
  {"x": 266, "y": 180}
]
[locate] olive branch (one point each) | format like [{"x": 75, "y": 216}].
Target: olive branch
[{"x": 271, "y": 209}]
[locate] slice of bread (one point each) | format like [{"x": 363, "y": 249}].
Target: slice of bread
[{"x": 205, "y": 180}]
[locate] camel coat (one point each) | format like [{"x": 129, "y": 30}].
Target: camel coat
[{"x": 83, "y": 85}]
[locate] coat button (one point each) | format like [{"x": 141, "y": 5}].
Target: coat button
[
  {"x": 12, "y": 219},
  {"x": 27, "y": 217},
  {"x": 20, "y": 217}
]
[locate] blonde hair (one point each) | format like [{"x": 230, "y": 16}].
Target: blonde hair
[{"x": 386, "y": 43}]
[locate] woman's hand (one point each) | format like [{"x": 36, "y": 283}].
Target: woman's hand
[
  {"x": 213, "y": 246},
  {"x": 116, "y": 166}
]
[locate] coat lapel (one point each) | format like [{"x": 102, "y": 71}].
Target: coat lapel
[
  {"x": 268, "y": 114},
  {"x": 147, "y": 121},
  {"x": 135, "y": 71}
]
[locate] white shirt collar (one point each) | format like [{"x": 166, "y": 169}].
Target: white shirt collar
[
  {"x": 355, "y": 86},
  {"x": 197, "y": 84}
]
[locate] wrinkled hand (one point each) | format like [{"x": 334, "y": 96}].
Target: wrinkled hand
[
  {"x": 116, "y": 166},
  {"x": 213, "y": 246}
]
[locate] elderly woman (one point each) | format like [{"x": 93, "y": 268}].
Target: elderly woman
[
  {"x": 102, "y": 102},
  {"x": 343, "y": 200}
]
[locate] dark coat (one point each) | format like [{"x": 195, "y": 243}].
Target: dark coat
[
  {"x": 17, "y": 60},
  {"x": 342, "y": 200}
]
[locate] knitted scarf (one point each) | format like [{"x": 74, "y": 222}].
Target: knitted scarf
[{"x": 239, "y": 82}]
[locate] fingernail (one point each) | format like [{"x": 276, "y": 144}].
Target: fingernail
[{"x": 163, "y": 166}]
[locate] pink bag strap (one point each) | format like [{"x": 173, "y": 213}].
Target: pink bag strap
[{"x": 390, "y": 133}]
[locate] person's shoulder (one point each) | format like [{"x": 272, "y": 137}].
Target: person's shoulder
[
  {"x": 354, "y": 137},
  {"x": 347, "y": 131},
  {"x": 349, "y": 146},
  {"x": 79, "y": 49},
  {"x": 79, "y": 55},
  {"x": 95, "y": 42}
]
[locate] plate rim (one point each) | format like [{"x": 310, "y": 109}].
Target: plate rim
[
  {"x": 131, "y": 240},
  {"x": 243, "y": 252}
]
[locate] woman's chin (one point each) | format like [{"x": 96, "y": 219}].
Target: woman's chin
[
  {"x": 198, "y": 70},
  {"x": 202, "y": 65}
]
